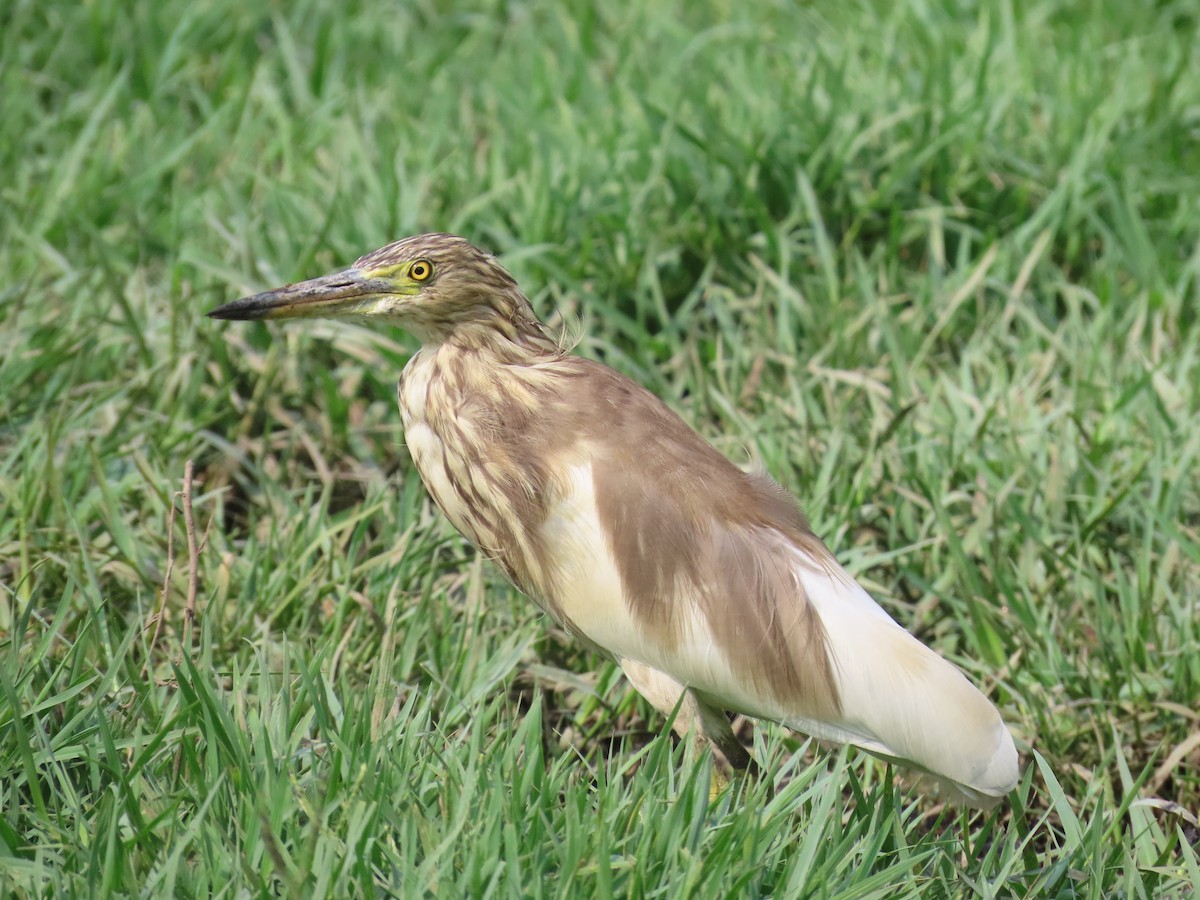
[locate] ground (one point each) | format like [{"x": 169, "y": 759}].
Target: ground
[{"x": 934, "y": 266}]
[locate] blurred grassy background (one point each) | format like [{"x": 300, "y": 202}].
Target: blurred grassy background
[{"x": 936, "y": 267}]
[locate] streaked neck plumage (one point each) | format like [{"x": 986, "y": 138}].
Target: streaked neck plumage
[{"x": 499, "y": 327}]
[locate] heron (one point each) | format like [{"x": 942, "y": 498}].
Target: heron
[{"x": 703, "y": 581}]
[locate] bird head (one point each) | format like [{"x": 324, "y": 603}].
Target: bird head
[{"x": 436, "y": 286}]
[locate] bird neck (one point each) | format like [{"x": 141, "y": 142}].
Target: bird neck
[{"x": 502, "y": 330}]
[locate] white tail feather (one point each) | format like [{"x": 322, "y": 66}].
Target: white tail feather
[{"x": 904, "y": 702}]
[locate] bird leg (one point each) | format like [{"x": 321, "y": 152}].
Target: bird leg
[{"x": 694, "y": 719}]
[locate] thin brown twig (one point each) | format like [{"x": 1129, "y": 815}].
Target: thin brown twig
[
  {"x": 189, "y": 524},
  {"x": 1174, "y": 758},
  {"x": 162, "y": 597}
]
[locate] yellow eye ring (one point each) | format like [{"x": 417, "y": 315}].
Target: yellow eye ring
[{"x": 420, "y": 270}]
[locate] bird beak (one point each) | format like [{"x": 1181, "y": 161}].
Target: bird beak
[{"x": 342, "y": 293}]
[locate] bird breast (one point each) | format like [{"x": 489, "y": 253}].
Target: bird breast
[{"x": 456, "y": 414}]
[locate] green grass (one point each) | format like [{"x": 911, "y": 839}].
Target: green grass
[{"x": 935, "y": 265}]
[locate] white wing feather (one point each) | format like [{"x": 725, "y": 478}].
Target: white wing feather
[{"x": 899, "y": 699}]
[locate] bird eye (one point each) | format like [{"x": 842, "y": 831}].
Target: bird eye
[{"x": 420, "y": 270}]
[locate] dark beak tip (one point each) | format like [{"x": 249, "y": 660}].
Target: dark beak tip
[{"x": 243, "y": 309}]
